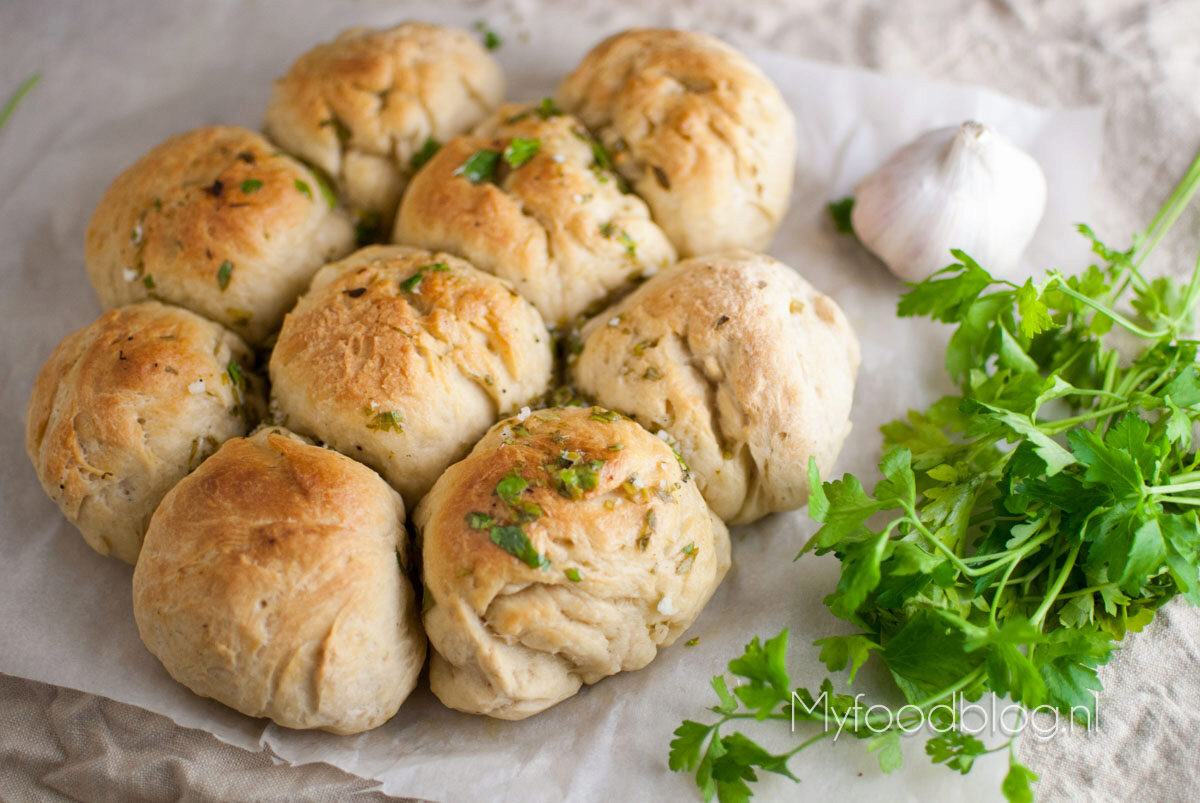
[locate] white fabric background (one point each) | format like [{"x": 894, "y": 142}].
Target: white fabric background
[{"x": 1138, "y": 59}]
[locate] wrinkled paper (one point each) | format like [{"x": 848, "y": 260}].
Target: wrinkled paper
[{"x": 120, "y": 77}]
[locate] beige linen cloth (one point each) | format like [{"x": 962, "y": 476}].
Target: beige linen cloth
[{"x": 1140, "y": 60}]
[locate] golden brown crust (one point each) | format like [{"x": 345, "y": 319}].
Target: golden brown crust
[
  {"x": 269, "y": 581},
  {"x": 361, "y": 106},
  {"x": 701, "y": 133},
  {"x": 116, "y": 417},
  {"x": 632, "y": 554},
  {"x": 742, "y": 361},
  {"x": 558, "y": 227},
  {"x": 210, "y": 197},
  {"x": 406, "y": 379}
]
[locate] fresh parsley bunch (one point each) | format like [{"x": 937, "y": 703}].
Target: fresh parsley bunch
[{"x": 1021, "y": 527}]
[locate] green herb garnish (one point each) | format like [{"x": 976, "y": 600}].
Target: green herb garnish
[
  {"x": 251, "y": 185},
  {"x": 326, "y": 189},
  {"x": 426, "y": 153},
  {"x": 600, "y": 414},
  {"x": 840, "y": 212},
  {"x": 520, "y": 150},
  {"x": 547, "y": 108},
  {"x": 510, "y": 487},
  {"x": 512, "y": 539},
  {"x": 647, "y": 531},
  {"x": 479, "y": 521},
  {"x": 386, "y": 421},
  {"x": 574, "y": 476},
  {"x": 601, "y": 158},
  {"x": 239, "y": 317},
  {"x": 491, "y": 39},
  {"x": 509, "y": 536},
  {"x": 573, "y": 575},
  {"x": 480, "y": 166},
  {"x": 148, "y": 281},
  {"x": 304, "y": 188},
  {"x": 366, "y": 227},
  {"x": 1022, "y": 525},
  {"x": 237, "y": 381},
  {"x": 224, "y": 274},
  {"x": 340, "y": 129},
  {"x": 627, "y": 241},
  {"x": 15, "y": 99},
  {"x": 410, "y": 284}
]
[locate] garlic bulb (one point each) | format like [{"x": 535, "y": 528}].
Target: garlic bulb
[{"x": 961, "y": 187}]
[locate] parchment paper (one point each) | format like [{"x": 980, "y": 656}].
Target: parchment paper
[{"x": 118, "y": 79}]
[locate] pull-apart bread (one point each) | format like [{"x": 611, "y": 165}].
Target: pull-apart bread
[
  {"x": 273, "y": 580},
  {"x": 220, "y": 222},
  {"x": 568, "y": 546},
  {"x": 403, "y": 358},
  {"x": 128, "y": 405},
  {"x": 698, "y": 131},
  {"x": 549, "y": 215},
  {"x": 369, "y": 107},
  {"x": 743, "y": 362}
]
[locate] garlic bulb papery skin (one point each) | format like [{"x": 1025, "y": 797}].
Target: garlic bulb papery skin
[{"x": 964, "y": 187}]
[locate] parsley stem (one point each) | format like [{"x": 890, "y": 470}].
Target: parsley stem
[
  {"x": 1082, "y": 592},
  {"x": 1063, "y": 424},
  {"x": 1027, "y": 579},
  {"x": 1169, "y": 213},
  {"x": 1173, "y": 487},
  {"x": 1093, "y": 392},
  {"x": 1008, "y": 554},
  {"x": 1189, "y": 298},
  {"x": 1052, "y": 594},
  {"x": 1000, "y": 591},
  {"x": 945, "y": 550},
  {"x": 810, "y": 741},
  {"x": 18, "y": 96},
  {"x": 1178, "y": 500},
  {"x": 1111, "y": 314},
  {"x": 1110, "y": 371},
  {"x": 962, "y": 683}
]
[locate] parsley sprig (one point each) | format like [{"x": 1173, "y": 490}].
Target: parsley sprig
[
  {"x": 1021, "y": 526},
  {"x": 15, "y": 99}
]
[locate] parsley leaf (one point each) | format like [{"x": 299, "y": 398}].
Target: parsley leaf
[
  {"x": 224, "y": 274},
  {"x": 480, "y": 166},
  {"x": 491, "y": 39},
  {"x": 520, "y": 150},
  {"x": 424, "y": 154},
  {"x": 512, "y": 539},
  {"x": 840, "y": 212}
]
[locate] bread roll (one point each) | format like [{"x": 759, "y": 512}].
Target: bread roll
[
  {"x": 700, "y": 132},
  {"x": 402, "y": 358},
  {"x": 128, "y": 405},
  {"x": 218, "y": 221},
  {"x": 273, "y": 580},
  {"x": 364, "y": 105},
  {"x": 569, "y": 545},
  {"x": 557, "y": 226},
  {"x": 743, "y": 362}
]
